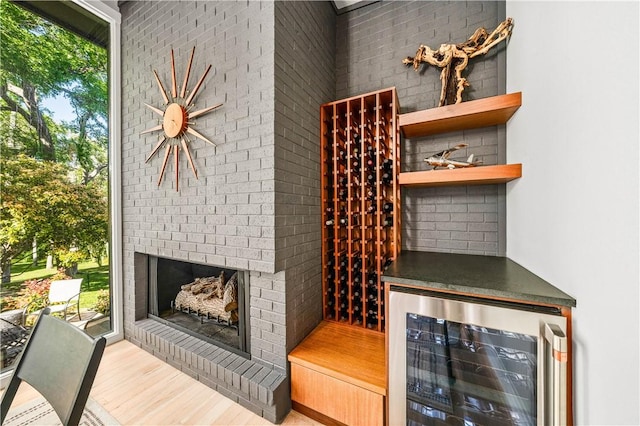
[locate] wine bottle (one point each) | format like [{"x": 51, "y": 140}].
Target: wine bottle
[
  {"x": 388, "y": 222},
  {"x": 372, "y": 322},
  {"x": 385, "y": 263},
  {"x": 387, "y": 207},
  {"x": 373, "y": 278},
  {"x": 330, "y": 222},
  {"x": 386, "y": 178},
  {"x": 357, "y": 263},
  {"x": 387, "y": 164},
  {"x": 371, "y": 163},
  {"x": 371, "y": 178}
]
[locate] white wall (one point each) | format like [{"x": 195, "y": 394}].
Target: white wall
[{"x": 573, "y": 217}]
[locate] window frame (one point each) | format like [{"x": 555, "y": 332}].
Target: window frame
[{"x": 113, "y": 18}]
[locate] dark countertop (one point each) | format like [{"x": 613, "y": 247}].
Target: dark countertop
[{"x": 475, "y": 275}]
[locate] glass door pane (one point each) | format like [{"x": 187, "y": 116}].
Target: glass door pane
[
  {"x": 465, "y": 374},
  {"x": 54, "y": 165}
]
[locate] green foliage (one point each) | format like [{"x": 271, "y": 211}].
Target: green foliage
[
  {"x": 68, "y": 258},
  {"x": 58, "y": 200},
  {"x": 33, "y": 294},
  {"x": 39, "y": 202},
  {"x": 103, "y": 302},
  {"x": 39, "y": 59}
]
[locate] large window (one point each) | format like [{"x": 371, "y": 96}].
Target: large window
[{"x": 58, "y": 162}]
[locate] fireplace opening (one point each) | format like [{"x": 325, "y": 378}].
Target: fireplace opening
[{"x": 204, "y": 301}]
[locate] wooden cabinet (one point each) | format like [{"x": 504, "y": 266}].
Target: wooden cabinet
[
  {"x": 466, "y": 115},
  {"x": 360, "y": 144},
  {"x": 338, "y": 374}
]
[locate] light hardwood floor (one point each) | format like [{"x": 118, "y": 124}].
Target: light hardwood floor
[{"x": 138, "y": 389}]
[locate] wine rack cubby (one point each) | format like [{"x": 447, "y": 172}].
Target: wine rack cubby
[{"x": 360, "y": 158}]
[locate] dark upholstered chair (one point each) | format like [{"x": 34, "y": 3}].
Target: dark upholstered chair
[{"x": 60, "y": 361}]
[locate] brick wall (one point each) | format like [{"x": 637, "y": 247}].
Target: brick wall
[
  {"x": 256, "y": 203},
  {"x": 226, "y": 217},
  {"x": 372, "y": 41},
  {"x": 304, "y": 79}
]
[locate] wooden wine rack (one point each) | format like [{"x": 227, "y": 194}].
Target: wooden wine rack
[{"x": 360, "y": 205}]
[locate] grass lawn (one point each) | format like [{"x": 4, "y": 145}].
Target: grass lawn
[{"x": 94, "y": 278}]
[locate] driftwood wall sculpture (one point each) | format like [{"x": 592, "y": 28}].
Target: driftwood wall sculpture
[{"x": 453, "y": 59}]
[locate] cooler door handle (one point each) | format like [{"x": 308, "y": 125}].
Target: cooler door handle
[{"x": 557, "y": 341}]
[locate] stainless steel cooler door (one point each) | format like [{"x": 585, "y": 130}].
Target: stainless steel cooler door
[{"x": 454, "y": 362}]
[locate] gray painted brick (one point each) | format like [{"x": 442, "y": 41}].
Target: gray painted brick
[
  {"x": 255, "y": 380},
  {"x": 258, "y": 409},
  {"x": 228, "y": 374},
  {"x": 390, "y": 31},
  {"x": 256, "y": 203}
]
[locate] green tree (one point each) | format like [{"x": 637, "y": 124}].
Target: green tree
[
  {"x": 62, "y": 206},
  {"x": 40, "y": 202},
  {"x": 38, "y": 60}
]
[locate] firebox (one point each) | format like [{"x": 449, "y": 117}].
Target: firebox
[{"x": 205, "y": 301}]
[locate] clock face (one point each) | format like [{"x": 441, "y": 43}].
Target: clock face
[{"x": 175, "y": 124}]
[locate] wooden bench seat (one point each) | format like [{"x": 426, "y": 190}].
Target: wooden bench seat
[{"x": 338, "y": 375}]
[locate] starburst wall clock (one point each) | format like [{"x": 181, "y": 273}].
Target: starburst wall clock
[{"x": 176, "y": 122}]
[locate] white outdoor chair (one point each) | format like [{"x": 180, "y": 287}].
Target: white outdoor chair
[{"x": 62, "y": 295}]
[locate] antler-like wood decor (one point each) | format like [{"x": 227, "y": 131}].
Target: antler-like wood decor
[{"x": 453, "y": 59}]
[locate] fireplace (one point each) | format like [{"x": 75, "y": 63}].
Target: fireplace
[
  {"x": 215, "y": 351},
  {"x": 205, "y": 301}
]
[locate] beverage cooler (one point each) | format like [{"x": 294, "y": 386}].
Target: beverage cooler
[{"x": 466, "y": 361}]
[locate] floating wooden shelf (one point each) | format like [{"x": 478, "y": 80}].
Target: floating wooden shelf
[
  {"x": 466, "y": 115},
  {"x": 481, "y": 175}
]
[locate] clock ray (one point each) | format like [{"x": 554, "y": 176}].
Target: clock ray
[
  {"x": 164, "y": 163},
  {"x": 153, "y": 129},
  {"x": 186, "y": 75},
  {"x": 175, "y": 119},
  {"x": 156, "y": 110},
  {"x": 157, "y": 147},
  {"x": 176, "y": 156},
  {"x": 186, "y": 150},
  {"x": 203, "y": 111},
  {"x": 195, "y": 133},
  {"x": 174, "y": 87},
  {"x": 162, "y": 91},
  {"x": 198, "y": 84}
]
